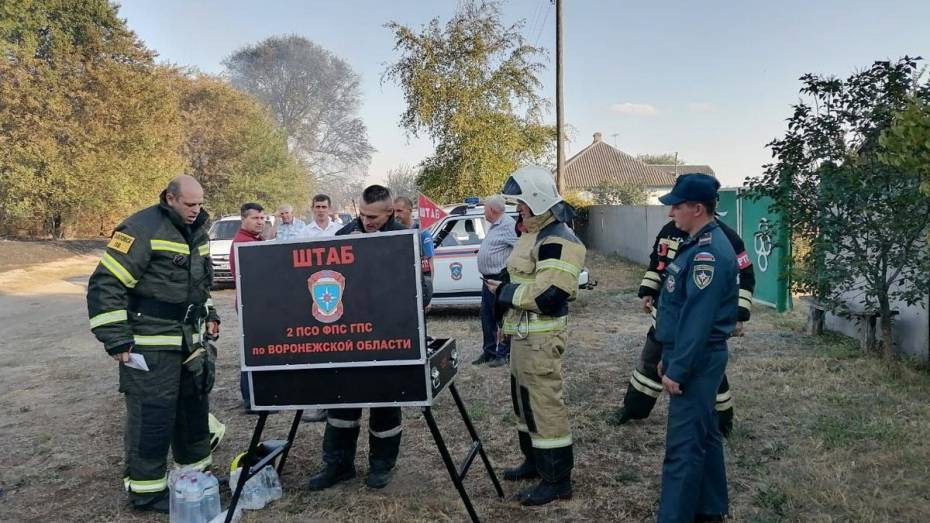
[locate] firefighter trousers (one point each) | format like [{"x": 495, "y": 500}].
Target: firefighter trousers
[
  {"x": 341, "y": 437},
  {"x": 645, "y": 387},
  {"x": 165, "y": 407},
  {"x": 536, "y": 389}
]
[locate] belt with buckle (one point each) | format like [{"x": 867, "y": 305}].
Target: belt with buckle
[{"x": 189, "y": 313}]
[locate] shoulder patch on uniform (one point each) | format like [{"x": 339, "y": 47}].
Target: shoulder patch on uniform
[
  {"x": 120, "y": 242},
  {"x": 704, "y": 257},
  {"x": 743, "y": 260},
  {"x": 674, "y": 268},
  {"x": 550, "y": 251},
  {"x": 705, "y": 239},
  {"x": 703, "y": 275}
]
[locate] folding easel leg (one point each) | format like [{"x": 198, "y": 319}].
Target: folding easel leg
[
  {"x": 243, "y": 477},
  {"x": 290, "y": 439},
  {"x": 447, "y": 459},
  {"x": 474, "y": 436}
]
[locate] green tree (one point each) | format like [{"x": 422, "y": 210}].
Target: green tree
[
  {"x": 609, "y": 192},
  {"x": 865, "y": 220},
  {"x": 471, "y": 86},
  {"x": 234, "y": 148},
  {"x": 661, "y": 159},
  {"x": 86, "y": 116},
  {"x": 907, "y": 142}
]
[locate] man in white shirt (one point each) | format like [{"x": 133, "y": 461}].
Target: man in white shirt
[
  {"x": 289, "y": 227},
  {"x": 322, "y": 225}
]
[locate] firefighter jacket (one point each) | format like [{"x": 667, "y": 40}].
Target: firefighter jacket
[
  {"x": 666, "y": 248},
  {"x": 356, "y": 226},
  {"x": 151, "y": 289},
  {"x": 697, "y": 306},
  {"x": 543, "y": 270}
]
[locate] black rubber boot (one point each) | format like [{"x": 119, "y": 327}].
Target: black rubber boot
[
  {"x": 725, "y": 421},
  {"x": 338, "y": 457},
  {"x": 636, "y": 405},
  {"x": 379, "y": 478},
  {"x": 382, "y": 451},
  {"x": 527, "y": 469},
  {"x": 555, "y": 467},
  {"x": 158, "y": 502},
  {"x": 330, "y": 475}
]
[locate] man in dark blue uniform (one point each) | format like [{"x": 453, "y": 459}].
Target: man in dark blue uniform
[{"x": 697, "y": 312}]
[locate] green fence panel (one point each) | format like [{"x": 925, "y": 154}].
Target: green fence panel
[
  {"x": 728, "y": 208},
  {"x": 767, "y": 243}
]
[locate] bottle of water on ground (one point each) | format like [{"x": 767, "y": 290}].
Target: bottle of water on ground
[
  {"x": 195, "y": 497},
  {"x": 259, "y": 490}
]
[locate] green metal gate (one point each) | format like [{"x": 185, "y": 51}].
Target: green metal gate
[{"x": 766, "y": 242}]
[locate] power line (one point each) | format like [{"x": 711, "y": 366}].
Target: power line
[
  {"x": 543, "y": 25},
  {"x": 537, "y": 12}
]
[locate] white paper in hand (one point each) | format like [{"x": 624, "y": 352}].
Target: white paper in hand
[{"x": 137, "y": 361}]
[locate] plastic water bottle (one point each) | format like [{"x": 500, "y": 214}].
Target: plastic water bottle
[
  {"x": 210, "y": 505},
  {"x": 195, "y": 498},
  {"x": 186, "y": 497},
  {"x": 271, "y": 483},
  {"x": 252, "y": 496}
]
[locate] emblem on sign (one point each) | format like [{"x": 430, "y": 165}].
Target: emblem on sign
[
  {"x": 703, "y": 275},
  {"x": 456, "y": 270},
  {"x": 326, "y": 289}
]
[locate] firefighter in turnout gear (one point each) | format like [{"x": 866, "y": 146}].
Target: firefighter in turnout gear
[
  {"x": 644, "y": 387},
  {"x": 542, "y": 277},
  {"x": 340, "y": 439},
  {"x": 697, "y": 313},
  {"x": 150, "y": 297}
]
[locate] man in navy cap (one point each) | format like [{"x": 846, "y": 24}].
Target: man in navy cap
[{"x": 696, "y": 314}]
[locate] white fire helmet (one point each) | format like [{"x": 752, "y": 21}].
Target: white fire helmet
[{"x": 533, "y": 185}]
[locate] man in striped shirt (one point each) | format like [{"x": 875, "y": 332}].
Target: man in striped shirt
[{"x": 492, "y": 260}]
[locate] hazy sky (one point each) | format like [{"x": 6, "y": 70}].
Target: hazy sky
[{"x": 712, "y": 80}]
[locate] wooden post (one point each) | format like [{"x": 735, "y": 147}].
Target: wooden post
[{"x": 559, "y": 105}]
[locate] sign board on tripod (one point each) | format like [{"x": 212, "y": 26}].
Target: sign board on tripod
[{"x": 334, "y": 322}]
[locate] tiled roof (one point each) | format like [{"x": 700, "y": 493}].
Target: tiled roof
[
  {"x": 599, "y": 161},
  {"x": 686, "y": 169}
]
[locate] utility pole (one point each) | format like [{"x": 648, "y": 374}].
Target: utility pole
[{"x": 559, "y": 105}]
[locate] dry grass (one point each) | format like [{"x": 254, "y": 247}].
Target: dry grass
[{"x": 822, "y": 432}]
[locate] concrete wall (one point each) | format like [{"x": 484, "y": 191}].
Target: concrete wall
[
  {"x": 911, "y": 328},
  {"x": 628, "y": 231}
]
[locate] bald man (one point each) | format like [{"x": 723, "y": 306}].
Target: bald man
[{"x": 149, "y": 304}]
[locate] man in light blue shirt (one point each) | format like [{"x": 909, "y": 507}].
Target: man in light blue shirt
[
  {"x": 289, "y": 227},
  {"x": 492, "y": 260}
]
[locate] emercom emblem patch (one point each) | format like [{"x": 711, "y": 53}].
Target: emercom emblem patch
[
  {"x": 703, "y": 275},
  {"x": 121, "y": 242}
]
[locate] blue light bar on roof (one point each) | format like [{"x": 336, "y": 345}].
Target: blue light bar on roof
[{"x": 472, "y": 200}]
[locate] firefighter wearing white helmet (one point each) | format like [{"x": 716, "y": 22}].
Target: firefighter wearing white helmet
[{"x": 541, "y": 278}]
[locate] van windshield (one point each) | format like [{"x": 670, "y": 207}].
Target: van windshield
[{"x": 225, "y": 230}]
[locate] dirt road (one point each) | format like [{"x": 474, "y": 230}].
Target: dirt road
[{"x": 823, "y": 433}]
